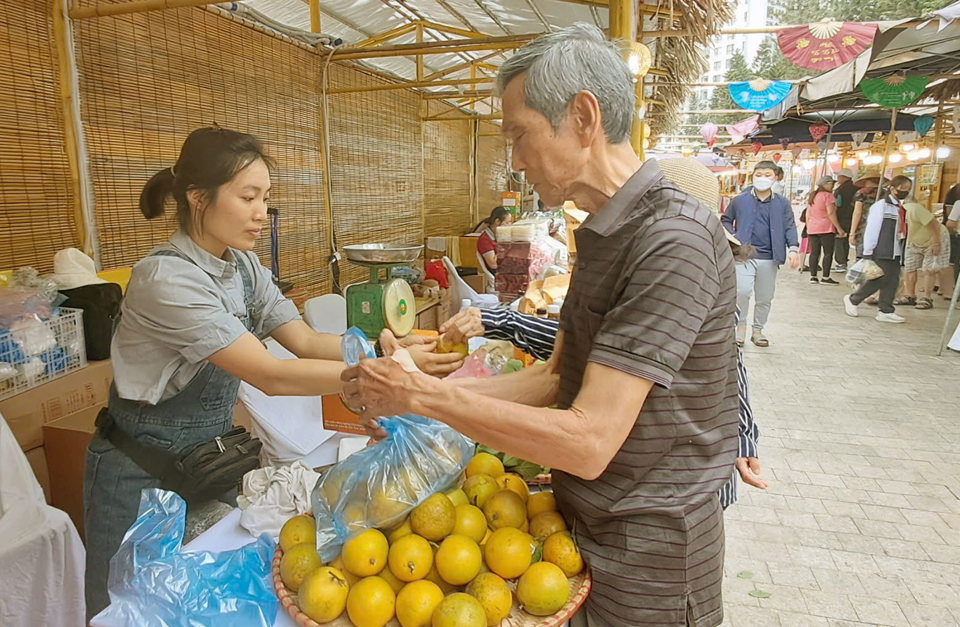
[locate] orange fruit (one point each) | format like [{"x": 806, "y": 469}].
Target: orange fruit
[
  {"x": 546, "y": 524},
  {"x": 410, "y": 558},
  {"x": 505, "y": 509},
  {"x": 494, "y": 596},
  {"x": 459, "y": 610},
  {"x": 365, "y": 554},
  {"x": 508, "y": 552},
  {"x": 543, "y": 589},
  {"x": 479, "y": 488},
  {"x": 514, "y": 482},
  {"x": 323, "y": 595},
  {"x": 297, "y": 563},
  {"x": 297, "y": 530},
  {"x": 371, "y": 603},
  {"x": 484, "y": 464},
  {"x": 540, "y": 502},
  {"x": 560, "y": 549},
  {"x": 434, "y": 518},
  {"x": 417, "y": 602},
  {"x": 458, "y": 560},
  {"x": 470, "y": 522}
]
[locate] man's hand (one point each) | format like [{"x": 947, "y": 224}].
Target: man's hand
[
  {"x": 462, "y": 327},
  {"x": 749, "y": 469},
  {"x": 935, "y": 248},
  {"x": 381, "y": 387},
  {"x": 793, "y": 260},
  {"x": 423, "y": 352}
]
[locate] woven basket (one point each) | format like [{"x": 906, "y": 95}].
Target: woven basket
[{"x": 579, "y": 589}]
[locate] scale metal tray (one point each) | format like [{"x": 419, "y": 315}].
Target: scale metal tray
[{"x": 382, "y": 253}]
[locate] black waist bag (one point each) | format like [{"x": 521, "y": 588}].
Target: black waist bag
[
  {"x": 101, "y": 308},
  {"x": 202, "y": 471}
]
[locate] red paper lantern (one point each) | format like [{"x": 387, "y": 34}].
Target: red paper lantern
[
  {"x": 757, "y": 147},
  {"x": 776, "y": 157}
]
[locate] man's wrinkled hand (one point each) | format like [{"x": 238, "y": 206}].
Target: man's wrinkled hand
[
  {"x": 462, "y": 327},
  {"x": 749, "y": 469}
]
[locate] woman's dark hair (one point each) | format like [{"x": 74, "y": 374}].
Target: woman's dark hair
[
  {"x": 813, "y": 194},
  {"x": 896, "y": 182},
  {"x": 210, "y": 157},
  {"x": 498, "y": 213}
]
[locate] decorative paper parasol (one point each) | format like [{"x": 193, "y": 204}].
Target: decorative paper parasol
[
  {"x": 709, "y": 133},
  {"x": 825, "y": 45},
  {"x": 742, "y": 128},
  {"x": 759, "y": 94},
  {"x": 893, "y": 91},
  {"x": 923, "y": 124},
  {"x": 818, "y": 131},
  {"x": 757, "y": 147}
]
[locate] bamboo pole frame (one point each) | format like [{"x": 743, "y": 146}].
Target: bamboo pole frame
[
  {"x": 413, "y": 85},
  {"x": 393, "y": 33},
  {"x": 435, "y": 47},
  {"x": 101, "y": 9},
  {"x": 314, "y": 16},
  {"x": 74, "y": 139},
  {"x": 450, "y": 30},
  {"x": 462, "y": 66}
]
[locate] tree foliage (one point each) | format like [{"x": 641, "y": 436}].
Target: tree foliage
[{"x": 739, "y": 71}]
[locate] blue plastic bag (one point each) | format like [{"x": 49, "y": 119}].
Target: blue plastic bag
[
  {"x": 378, "y": 486},
  {"x": 153, "y": 584}
]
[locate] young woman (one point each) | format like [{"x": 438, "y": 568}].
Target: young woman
[
  {"x": 884, "y": 242},
  {"x": 822, "y": 228},
  {"x": 487, "y": 244},
  {"x": 192, "y": 321}
]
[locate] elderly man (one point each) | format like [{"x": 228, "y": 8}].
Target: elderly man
[{"x": 643, "y": 374}]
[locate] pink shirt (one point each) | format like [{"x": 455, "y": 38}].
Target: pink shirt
[{"x": 818, "y": 222}]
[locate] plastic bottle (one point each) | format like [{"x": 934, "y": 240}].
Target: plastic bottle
[
  {"x": 553, "y": 311},
  {"x": 464, "y": 304}
]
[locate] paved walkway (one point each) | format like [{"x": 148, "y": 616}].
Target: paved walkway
[{"x": 860, "y": 440}]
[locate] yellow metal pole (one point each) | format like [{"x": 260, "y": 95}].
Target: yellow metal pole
[
  {"x": 102, "y": 9},
  {"x": 314, "y": 16},
  {"x": 623, "y": 26}
]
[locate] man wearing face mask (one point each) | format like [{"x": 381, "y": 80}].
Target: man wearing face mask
[
  {"x": 883, "y": 241},
  {"x": 760, "y": 218}
]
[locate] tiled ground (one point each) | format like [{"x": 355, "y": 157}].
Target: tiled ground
[{"x": 860, "y": 440}]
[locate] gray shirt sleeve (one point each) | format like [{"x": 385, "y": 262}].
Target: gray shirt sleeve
[
  {"x": 275, "y": 310},
  {"x": 174, "y": 302},
  {"x": 671, "y": 287}
]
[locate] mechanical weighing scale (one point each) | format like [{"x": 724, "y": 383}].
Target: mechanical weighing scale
[{"x": 383, "y": 302}]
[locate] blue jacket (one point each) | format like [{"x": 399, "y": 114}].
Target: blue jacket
[{"x": 741, "y": 214}]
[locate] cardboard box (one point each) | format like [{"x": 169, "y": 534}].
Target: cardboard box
[
  {"x": 38, "y": 462},
  {"x": 336, "y": 417},
  {"x": 65, "y": 442},
  {"x": 26, "y": 413}
]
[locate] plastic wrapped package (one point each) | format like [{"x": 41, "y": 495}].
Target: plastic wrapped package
[
  {"x": 21, "y": 306},
  {"x": 863, "y": 270},
  {"x": 153, "y": 584},
  {"x": 378, "y": 486}
]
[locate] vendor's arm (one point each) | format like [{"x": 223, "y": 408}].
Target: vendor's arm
[
  {"x": 533, "y": 335},
  {"x": 297, "y": 337}
]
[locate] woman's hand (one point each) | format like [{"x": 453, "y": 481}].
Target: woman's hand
[
  {"x": 749, "y": 469},
  {"x": 423, "y": 352},
  {"x": 382, "y": 387},
  {"x": 463, "y": 326}
]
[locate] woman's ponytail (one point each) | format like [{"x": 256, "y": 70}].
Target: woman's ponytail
[{"x": 155, "y": 192}]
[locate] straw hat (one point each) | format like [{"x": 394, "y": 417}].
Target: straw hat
[
  {"x": 72, "y": 268},
  {"x": 697, "y": 180}
]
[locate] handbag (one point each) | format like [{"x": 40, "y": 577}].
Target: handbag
[{"x": 202, "y": 471}]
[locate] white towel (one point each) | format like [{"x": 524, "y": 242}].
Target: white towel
[{"x": 273, "y": 495}]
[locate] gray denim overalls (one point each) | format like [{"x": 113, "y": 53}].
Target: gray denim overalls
[{"x": 112, "y": 481}]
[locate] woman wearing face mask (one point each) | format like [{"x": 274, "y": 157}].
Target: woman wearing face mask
[
  {"x": 822, "y": 229},
  {"x": 883, "y": 241}
]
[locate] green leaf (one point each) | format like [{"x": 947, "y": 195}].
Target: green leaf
[
  {"x": 537, "y": 554},
  {"x": 528, "y": 470},
  {"x": 744, "y": 574},
  {"x": 759, "y": 594}
]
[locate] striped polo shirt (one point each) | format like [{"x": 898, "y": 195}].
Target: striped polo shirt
[{"x": 653, "y": 294}]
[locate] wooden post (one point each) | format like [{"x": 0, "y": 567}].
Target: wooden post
[
  {"x": 314, "y": 16},
  {"x": 75, "y": 144},
  {"x": 886, "y": 152},
  {"x": 102, "y": 9},
  {"x": 420, "y": 57}
]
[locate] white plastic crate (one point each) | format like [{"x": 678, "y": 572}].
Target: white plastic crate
[{"x": 45, "y": 351}]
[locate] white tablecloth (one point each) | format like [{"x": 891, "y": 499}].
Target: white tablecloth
[{"x": 41, "y": 556}]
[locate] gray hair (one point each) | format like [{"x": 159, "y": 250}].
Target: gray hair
[{"x": 570, "y": 60}]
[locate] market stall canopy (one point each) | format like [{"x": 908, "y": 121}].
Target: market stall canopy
[
  {"x": 845, "y": 124},
  {"x": 362, "y": 24},
  {"x": 928, "y": 46}
]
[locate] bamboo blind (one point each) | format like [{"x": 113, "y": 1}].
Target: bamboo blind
[
  {"x": 149, "y": 79},
  {"x": 446, "y": 176},
  {"x": 493, "y": 167},
  {"x": 37, "y": 201},
  {"x": 375, "y": 165}
]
